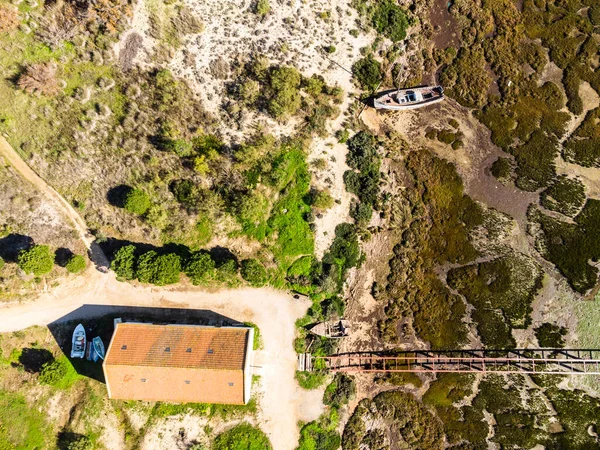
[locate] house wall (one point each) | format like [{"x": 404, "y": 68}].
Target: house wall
[{"x": 171, "y": 384}]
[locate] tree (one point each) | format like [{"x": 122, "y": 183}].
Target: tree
[
  {"x": 76, "y": 264},
  {"x": 200, "y": 267},
  {"x": 124, "y": 263},
  {"x": 37, "y": 260},
  {"x": 137, "y": 201},
  {"x": 368, "y": 72},
  {"x": 254, "y": 272}
]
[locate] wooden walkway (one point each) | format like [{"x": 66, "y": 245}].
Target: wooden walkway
[{"x": 532, "y": 361}]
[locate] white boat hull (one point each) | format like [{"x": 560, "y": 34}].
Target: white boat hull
[
  {"x": 78, "y": 342},
  {"x": 406, "y": 99}
]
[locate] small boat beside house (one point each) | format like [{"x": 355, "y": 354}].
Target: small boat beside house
[
  {"x": 98, "y": 348},
  {"x": 412, "y": 98},
  {"x": 333, "y": 329},
  {"x": 78, "y": 342}
]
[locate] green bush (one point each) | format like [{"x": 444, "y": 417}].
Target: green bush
[
  {"x": 361, "y": 213},
  {"x": 227, "y": 272},
  {"x": 284, "y": 97},
  {"x": 501, "y": 168},
  {"x": 76, "y": 264},
  {"x": 137, "y": 202},
  {"x": 390, "y": 20},
  {"x": 254, "y": 272},
  {"x": 341, "y": 390},
  {"x": 262, "y": 8},
  {"x": 550, "y": 335},
  {"x": 310, "y": 380},
  {"x": 1, "y": 263},
  {"x": 321, "y": 434},
  {"x": 53, "y": 372},
  {"x": 345, "y": 249},
  {"x": 200, "y": 267},
  {"x": 322, "y": 200},
  {"x": 565, "y": 195},
  {"x": 242, "y": 437},
  {"x": 37, "y": 260},
  {"x": 367, "y": 72},
  {"x": 158, "y": 269},
  {"x": 123, "y": 263}
]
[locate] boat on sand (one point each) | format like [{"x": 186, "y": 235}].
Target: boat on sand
[
  {"x": 78, "y": 342},
  {"x": 412, "y": 98},
  {"x": 334, "y": 329}
]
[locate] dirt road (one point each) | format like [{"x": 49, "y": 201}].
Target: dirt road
[
  {"x": 282, "y": 402},
  {"x": 15, "y": 160}
]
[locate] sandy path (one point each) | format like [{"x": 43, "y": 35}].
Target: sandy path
[
  {"x": 282, "y": 402},
  {"x": 15, "y": 160}
]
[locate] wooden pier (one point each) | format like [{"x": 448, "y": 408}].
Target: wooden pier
[{"x": 531, "y": 361}]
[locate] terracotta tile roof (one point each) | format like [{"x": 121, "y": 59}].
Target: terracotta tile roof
[{"x": 196, "y": 347}]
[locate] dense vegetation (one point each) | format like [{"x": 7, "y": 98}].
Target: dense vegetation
[
  {"x": 571, "y": 246},
  {"x": 436, "y": 232},
  {"x": 565, "y": 195},
  {"x": 392, "y": 417},
  {"x": 283, "y": 92},
  {"x": 502, "y": 292}
]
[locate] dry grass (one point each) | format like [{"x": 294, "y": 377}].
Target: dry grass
[
  {"x": 9, "y": 19},
  {"x": 39, "y": 79}
]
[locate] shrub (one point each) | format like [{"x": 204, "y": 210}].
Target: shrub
[
  {"x": 345, "y": 249},
  {"x": 322, "y": 199},
  {"x": 158, "y": 269},
  {"x": 9, "y": 18},
  {"x": 321, "y": 434},
  {"x": 123, "y": 263},
  {"x": 367, "y": 72},
  {"x": 37, "y": 260},
  {"x": 501, "y": 168},
  {"x": 227, "y": 272},
  {"x": 137, "y": 202},
  {"x": 340, "y": 391},
  {"x": 284, "y": 99},
  {"x": 39, "y": 79},
  {"x": 242, "y": 437},
  {"x": 52, "y": 372},
  {"x": 1, "y": 263},
  {"x": 361, "y": 213},
  {"x": 76, "y": 264},
  {"x": 254, "y": 272},
  {"x": 58, "y": 373},
  {"x": 390, "y": 20},
  {"x": 200, "y": 267},
  {"x": 565, "y": 195},
  {"x": 550, "y": 335},
  {"x": 262, "y": 8},
  {"x": 185, "y": 192},
  {"x": 310, "y": 380}
]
